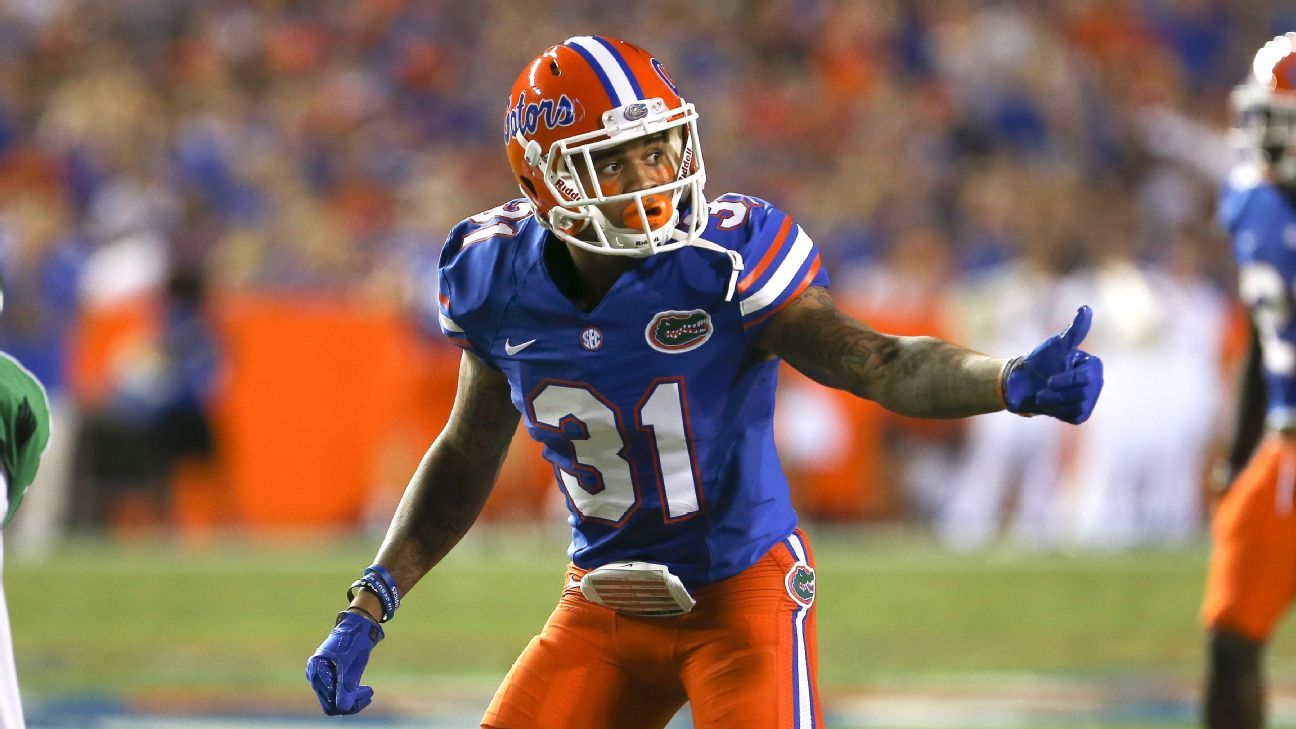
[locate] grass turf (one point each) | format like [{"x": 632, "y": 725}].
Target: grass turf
[{"x": 239, "y": 618}]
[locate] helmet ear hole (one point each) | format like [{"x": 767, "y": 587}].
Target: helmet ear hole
[
  {"x": 553, "y": 68},
  {"x": 530, "y": 187}
]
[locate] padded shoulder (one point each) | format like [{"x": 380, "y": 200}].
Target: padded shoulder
[
  {"x": 475, "y": 269},
  {"x": 780, "y": 260}
]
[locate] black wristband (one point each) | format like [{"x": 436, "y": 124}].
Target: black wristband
[
  {"x": 1003, "y": 379},
  {"x": 357, "y": 586}
]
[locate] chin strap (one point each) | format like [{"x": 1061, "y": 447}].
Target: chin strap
[{"x": 735, "y": 262}]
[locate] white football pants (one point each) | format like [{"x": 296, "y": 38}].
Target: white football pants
[{"x": 11, "y": 713}]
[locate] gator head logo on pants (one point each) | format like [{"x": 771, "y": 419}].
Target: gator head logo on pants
[
  {"x": 673, "y": 332},
  {"x": 801, "y": 584}
]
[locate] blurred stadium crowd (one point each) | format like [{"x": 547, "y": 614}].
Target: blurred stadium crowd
[{"x": 971, "y": 169}]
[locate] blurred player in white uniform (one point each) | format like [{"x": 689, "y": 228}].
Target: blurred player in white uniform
[
  {"x": 24, "y": 432},
  {"x": 1135, "y": 484},
  {"x": 1007, "y": 460}
]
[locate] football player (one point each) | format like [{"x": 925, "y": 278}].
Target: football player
[
  {"x": 1252, "y": 574},
  {"x": 638, "y": 328},
  {"x": 24, "y": 432}
]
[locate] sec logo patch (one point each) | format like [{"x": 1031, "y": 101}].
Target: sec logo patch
[
  {"x": 591, "y": 339},
  {"x": 673, "y": 332},
  {"x": 800, "y": 584}
]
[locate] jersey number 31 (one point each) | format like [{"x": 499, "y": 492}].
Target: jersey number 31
[{"x": 661, "y": 415}]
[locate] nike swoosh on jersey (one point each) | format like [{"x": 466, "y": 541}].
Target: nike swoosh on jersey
[{"x": 511, "y": 350}]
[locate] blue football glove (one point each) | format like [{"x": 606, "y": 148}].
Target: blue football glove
[
  {"x": 1056, "y": 379},
  {"x": 334, "y": 671}
]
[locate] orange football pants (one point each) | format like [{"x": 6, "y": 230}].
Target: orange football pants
[
  {"x": 1252, "y": 574},
  {"x": 745, "y": 658}
]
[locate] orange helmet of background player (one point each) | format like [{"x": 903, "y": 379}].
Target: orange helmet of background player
[
  {"x": 1264, "y": 106},
  {"x": 584, "y": 96}
]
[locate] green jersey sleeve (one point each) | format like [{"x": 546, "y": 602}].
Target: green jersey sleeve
[{"x": 24, "y": 427}]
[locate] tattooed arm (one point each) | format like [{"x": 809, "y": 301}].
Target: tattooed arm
[
  {"x": 451, "y": 484},
  {"x": 918, "y": 376}
]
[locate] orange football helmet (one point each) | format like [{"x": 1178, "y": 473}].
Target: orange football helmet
[
  {"x": 1264, "y": 106},
  {"x": 584, "y": 96}
]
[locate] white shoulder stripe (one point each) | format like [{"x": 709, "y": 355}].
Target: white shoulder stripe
[
  {"x": 801, "y": 249},
  {"x": 448, "y": 324},
  {"x": 615, "y": 74}
]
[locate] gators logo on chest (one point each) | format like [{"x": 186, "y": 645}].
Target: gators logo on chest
[{"x": 673, "y": 332}]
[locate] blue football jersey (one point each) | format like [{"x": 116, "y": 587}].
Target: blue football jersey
[
  {"x": 656, "y": 413},
  {"x": 1261, "y": 222}
]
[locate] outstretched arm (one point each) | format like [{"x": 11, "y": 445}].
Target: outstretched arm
[
  {"x": 441, "y": 502},
  {"x": 917, "y": 376},
  {"x": 451, "y": 484}
]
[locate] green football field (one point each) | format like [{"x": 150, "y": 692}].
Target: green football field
[{"x": 910, "y": 635}]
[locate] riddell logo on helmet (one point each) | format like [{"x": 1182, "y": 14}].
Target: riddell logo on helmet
[
  {"x": 566, "y": 189},
  {"x": 526, "y": 118},
  {"x": 686, "y": 163}
]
